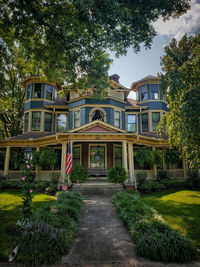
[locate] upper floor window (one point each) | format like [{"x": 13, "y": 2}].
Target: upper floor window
[
  {"x": 26, "y": 119},
  {"x": 154, "y": 91},
  {"x": 97, "y": 115},
  {"x": 36, "y": 117},
  {"x": 77, "y": 118},
  {"x": 37, "y": 93},
  {"x": 48, "y": 122},
  {"x": 131, "y": 120},
  {"x": 145, "y": 122},
  {"x": 61, "y": 123},
  {"x": 155, "y": 120},
  {"x": 143, "y": 93},
  {"x": 28, "y": 92},
  {"x": 48, "y": 91},
  {"x": 117, "y": 116}
]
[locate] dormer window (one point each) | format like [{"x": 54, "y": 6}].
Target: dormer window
[
  {"x": 144, "y": 93},
  {"x": 154, "y": 91},
  {"x": 37, "y": 90},
  {"x": 28, "y": 92},
  {"x": 97, "y": 115},
  {"x": 48, "y": 91}
]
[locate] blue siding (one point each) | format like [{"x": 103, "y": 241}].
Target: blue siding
[
  {"x": 77, "y": 103},
  {"x": 70, "y": 123},
  {"x": 155, "y": 105},
  {"x": 92, "y": 101},
  {"x": 36, "y": 104}
]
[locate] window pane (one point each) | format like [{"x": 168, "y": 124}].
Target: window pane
[
  {"x": 143, "y": 91},
  {"x": 48, "y": 91},
  {"x": 97, "y": 115},
  {"x": 61, "y": 123},
  {"x": 118, "y": 156},
  {"x": 76, "y": 155},
  {"x": 117, "y": 119},
  {"x": 154, "y": 91},
  {"x": 77, "y": 118},
  {"x": 38, "y": 90},
  {"x": 36, "y": 120},
  {"x": 155, "y": 120},
  {"x": 145, "y": 122},
  {"x": 28, "y": 92},
  {"x": 48, "y": 122},
  {"x": 26, "y": 122},
  {"x": 131, "y": 123}
]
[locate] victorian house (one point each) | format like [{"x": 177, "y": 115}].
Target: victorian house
[{"x": 103, "y": 133}]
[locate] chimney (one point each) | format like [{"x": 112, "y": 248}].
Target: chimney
[{"x": 115, "y": 77}]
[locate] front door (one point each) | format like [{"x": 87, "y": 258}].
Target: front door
[{"x": 97, "y": 156}]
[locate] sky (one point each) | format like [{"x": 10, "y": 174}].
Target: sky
[{"x": 134, "y": 67}]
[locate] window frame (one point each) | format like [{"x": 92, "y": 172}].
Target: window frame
[
  {"x": 51, "y": 121},
  {"x": 140, "y": 88},
  {"x": 66, "y": 126},
  {"x": 142, "y": 115},
  {"x": 45, "y": 91},
  {"x": 151, "y": 85},
  {"x": 74, "y": 120},
  {"x": 32, "y": 120},
  {"x": 33, "y": 95},
  {"x": 75, "y": 146},
  {"x": 131, "y": 114},
  {"x": 158, "y": 112},
  {"x": 119, "y": 112}
]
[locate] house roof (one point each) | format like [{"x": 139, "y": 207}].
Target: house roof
[
  {"x": 135, "y": 85},
  {"x": 30, "y": 135}
]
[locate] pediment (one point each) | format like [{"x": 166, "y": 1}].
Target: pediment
[{"x": 97, "y": 127}]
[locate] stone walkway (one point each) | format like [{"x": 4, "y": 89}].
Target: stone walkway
[{"x": 103, "y": 241}]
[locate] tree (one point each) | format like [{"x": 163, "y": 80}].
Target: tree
[
  {"x": 181, "y": 82},
  {"x": 70, "y": 39},
  {"x": 14, "y": 67}
]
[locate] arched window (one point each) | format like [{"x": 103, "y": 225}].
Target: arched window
[{"x": 97, "y": 115}]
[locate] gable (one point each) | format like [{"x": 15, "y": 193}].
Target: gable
[{"x": 97, "y": 129}]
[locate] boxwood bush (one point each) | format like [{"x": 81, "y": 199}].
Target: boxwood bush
[
  {"x": 117, "y": 174},
  {"x": 51, "y": 231},
  {"x": 153, "y": 238}
]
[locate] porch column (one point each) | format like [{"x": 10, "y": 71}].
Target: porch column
[
  {"x": 63, "y": 162},
  {"x": 154, "y": 165},
  {"x": 37, "y": 167},
  {"x": 130, "y": 159},
  {"x": 163, "y": 159},
  {"x": 124, "y": 155},
  {"x": 7, "y": 159}
]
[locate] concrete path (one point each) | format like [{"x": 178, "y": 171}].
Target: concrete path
[{"x": 103, "y": 240}]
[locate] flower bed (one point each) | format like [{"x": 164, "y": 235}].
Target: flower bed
[
  {"x": 153, "y": 238},
  {"x": 50, "y": 233}
]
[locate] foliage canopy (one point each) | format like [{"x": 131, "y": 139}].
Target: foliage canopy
[
  {"x": 181, "y": 82},
  {"x": 70, "y": 40}
]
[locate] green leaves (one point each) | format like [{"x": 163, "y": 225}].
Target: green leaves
[{"x": 181, "y": 64}]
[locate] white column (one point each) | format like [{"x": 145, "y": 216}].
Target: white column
[
  {"x": 37, "y": 167},
  {"x": 130, "y": 159},
  {"x": 154, "y": 165},
  {"x": 124, "y": 155},
  {"x": 7, "y": 159},
  {"x": 63, "y": 162}
]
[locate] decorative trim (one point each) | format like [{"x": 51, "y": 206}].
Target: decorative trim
[{"x": 97, "y": 108}]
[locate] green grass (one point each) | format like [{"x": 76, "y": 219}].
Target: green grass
[
  {"x": 180, "y": 209},
  {"x": 10, "y": 212}
]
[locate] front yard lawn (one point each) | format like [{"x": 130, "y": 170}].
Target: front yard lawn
[
  {"x": 10, "y": 213},
  {"x": 180, "y": 209}
]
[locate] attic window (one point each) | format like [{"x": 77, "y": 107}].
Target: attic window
[{"x": 97, "y": 115}]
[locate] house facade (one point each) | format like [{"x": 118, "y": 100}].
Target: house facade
[{"x": 103, "y": 133}]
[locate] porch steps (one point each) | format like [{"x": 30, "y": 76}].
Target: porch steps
[{"x": 97, "y": 188}]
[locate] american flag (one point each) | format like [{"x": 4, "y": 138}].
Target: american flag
[{"x": 69, "y": 159}]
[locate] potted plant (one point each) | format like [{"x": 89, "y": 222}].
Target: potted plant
[
  {"x": 117, "y": 174},
  {"x": 78, "y": 174}
]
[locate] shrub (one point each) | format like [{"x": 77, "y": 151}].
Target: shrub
[
  {"x": 157, "y": 157},
  {"x": 149, "y": 186},
  {"x": 193, "y": 177},
  {"x": 141, "y": 177},
  {"x": 78, "y": 174},
  {"x": 158, "y": 242},
  {"x": 69, "y": 195},
  {"x": 162, "y": 175},
  {"x": 47, "y": 157},
  {"x": 41, "y": 243},
  {"x": 144, "y": 157},
  {"x": 117, "y": 174},
  {"x": 152, "y": 237}
]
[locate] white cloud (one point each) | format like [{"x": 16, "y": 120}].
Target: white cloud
[{"x": 176, "y": 28}]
